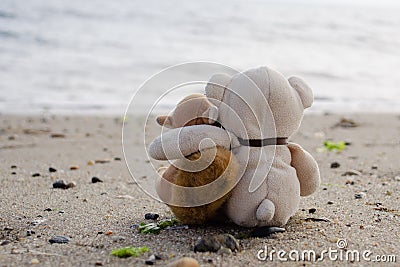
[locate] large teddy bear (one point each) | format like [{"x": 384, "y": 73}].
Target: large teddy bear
[
  {"x": 197, "y": 169},
  {"x": 259, "y": 109}
]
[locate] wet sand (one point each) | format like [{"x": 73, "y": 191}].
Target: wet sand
[{"x": 98, "y": 217}]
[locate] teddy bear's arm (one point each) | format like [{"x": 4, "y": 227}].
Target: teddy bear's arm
[
  {"x": 180, "y": 142},
  {"x": 306, "y": 168}
]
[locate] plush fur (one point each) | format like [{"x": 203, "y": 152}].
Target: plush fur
[
  {"x": 259, "y": 103},
  {"x": 224, "y": 166}
]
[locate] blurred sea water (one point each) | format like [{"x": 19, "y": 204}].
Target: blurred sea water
[{"x": 91, "y": 56}]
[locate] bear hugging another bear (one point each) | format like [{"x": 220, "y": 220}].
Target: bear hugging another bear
[{"x": 258, "y": 110}]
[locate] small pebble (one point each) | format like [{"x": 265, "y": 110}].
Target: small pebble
[
  {"x": 5, "y": 242},
  {"x": 35, "y": 261},
  {"x": 30, "y": 232},
  {"x": 151, "y": 216},
  {"x": 96, "y": 180},
  {"x": 60, "y": 184},
  {"x": 117, "y": 158},
  {"x": 216, "y": 242},
  {"x": 99, "y": 263},
  {"x": 13, "y": 173},
  {"x": 71, "y": 185},
  {"x": 359, "y": 195},
  {"x": 184, "y": 262},
  {"x": 61, "y": 212},
  {"x": 36, "y": 175},
  {"x": 224, "y": 251},
  {"x": 335, "y": 165},
  {"x": 397, "y": 178},
  {"x": 51, "y": 169},
  {"x": 330, "y": 202},
  {"x": 48, "y": 209},
  {"x": 13, "y": 166},
  {"x": 90, "y": 163},
  {"x": 59, "y": 239},
  {"x": 374, "y": 167},
  {"x": 151, "y": 260},
  {"x": 74, "y": 167},
  {"x": 348, "y": 225},
  {"x": 266, "y": 231},
  {"x": 312, "y": 210}
]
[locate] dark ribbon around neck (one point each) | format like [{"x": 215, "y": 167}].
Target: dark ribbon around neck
[{"x": 263, "y": 142}]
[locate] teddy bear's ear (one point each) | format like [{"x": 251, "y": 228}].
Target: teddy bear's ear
[
  {"x": 216, "y": 86},
  {"x": 164, "y": 121},
  {"x": 211, "y": 114},
  {"x": 304, "y": 91}
]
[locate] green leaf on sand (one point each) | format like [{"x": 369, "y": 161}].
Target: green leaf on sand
[
  {"x": 155, "y": 228},
  {"x": 339, "y": 146},
  {"x": 129, "y": 252}
]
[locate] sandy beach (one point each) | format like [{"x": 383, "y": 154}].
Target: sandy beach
[{"x": 358, "y": 200}]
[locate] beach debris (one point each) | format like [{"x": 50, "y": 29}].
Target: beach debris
[
  {"x": 51, "y": 169},
  {"x": 335, "y": 165},
  {"x": 385, "y": 209},
  {"x": 311, "y": 219},
  {"x": 63, "y": 185},
  {"x": 352, "y": 173},
  {"x": 57, "y": 135},
  {"x": 74, "y": 167},
  {"x": 312, "y": 210},
  {"x": 184, "y": 262},
  {"x": 350, "y": 182},
  {"x": 96, "y": 180},
  {"x": 5, "y": 242},
  {"x": 102, "y": 161},
  {"x": 127, "y": 252},
  {"x": 151, "y": 216},
  {"x": 59, "y": 239},
  {"x": 359, "y": 195},
  {"x": 152, "y": 259},
  {"x": 216, "y": 242},
  {"x": 338, "y": 146},
  {"x": 346, "y": 123},
  {"x": 90, "y": 163},
  {"x": 155, "y": 228},
  {"x": 36, "y": 174},
  {"x": 266, "y": 231}
]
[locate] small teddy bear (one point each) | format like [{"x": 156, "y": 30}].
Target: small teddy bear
[
  {"x": 197, "y": 169},
  {"x": 259, "y": 109}
]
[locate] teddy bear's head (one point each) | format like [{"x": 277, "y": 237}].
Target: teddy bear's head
[
  {"x": 194, "y": 109},
  {"x": 259, "y": 103}
]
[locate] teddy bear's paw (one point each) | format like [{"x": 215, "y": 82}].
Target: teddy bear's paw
[{"x": 265, "y": 211}]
